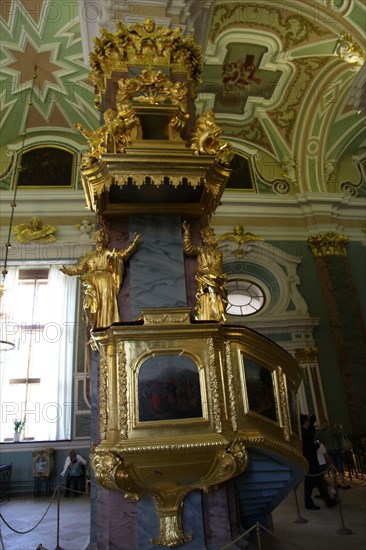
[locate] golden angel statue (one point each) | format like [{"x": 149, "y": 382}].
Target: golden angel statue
[
  {"x": 240, "y": 237},
  {"x": 211, "y": 281},
  {"x": 101, "y": 273}
]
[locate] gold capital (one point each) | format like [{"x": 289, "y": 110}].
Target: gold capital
[{"x": 329, "y": 244}]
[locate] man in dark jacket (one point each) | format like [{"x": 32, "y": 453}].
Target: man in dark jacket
[{"x": 314, "y": 477}]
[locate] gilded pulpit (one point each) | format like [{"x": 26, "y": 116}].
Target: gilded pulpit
[{"x": 182, "y": 396}]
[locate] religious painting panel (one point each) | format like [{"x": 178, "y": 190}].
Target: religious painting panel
[
  {"x": 260, "y": 389},
  {"x": 168, "y": 389}
]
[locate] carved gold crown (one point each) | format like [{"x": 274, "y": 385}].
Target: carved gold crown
[{"x": 146, "y": 45}]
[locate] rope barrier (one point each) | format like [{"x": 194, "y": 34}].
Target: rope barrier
[
  {"x": 40, "y": 521},
  {"x": 53, "y": 499}
]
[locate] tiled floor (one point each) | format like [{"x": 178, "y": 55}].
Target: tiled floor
[
  {"x": 324, "y": 528},
  {"x": 321, "y": 532},
  {"x": 23, "y": 514}
]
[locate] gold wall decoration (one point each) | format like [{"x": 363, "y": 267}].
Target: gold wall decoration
[
  {"x": 36, "y": 231},
  {"x": 328, "y": 244},
  {"x": 173, "y": 451},
  {"x": 240, "y": 237},
  {"x": 349, "y": 51}
]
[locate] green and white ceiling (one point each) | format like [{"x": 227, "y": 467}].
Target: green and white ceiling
[{"x": 292, "y": 117}]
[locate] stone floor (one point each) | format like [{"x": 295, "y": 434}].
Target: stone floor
[{"x": 322, "y": 531}]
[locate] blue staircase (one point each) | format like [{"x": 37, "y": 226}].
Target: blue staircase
[{"x": 268, "y": 479}]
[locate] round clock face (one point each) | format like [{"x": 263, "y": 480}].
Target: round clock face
[{"x": 244, "y": 298}]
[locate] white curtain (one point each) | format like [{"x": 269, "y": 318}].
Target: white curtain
[
  {"x": 49, "y": 404},
  {"x": 62, "y": 332},
  {"x": 8, "y": 333}
]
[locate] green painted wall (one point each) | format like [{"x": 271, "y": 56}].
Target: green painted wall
[
  {"x": 23, "y": 482},
  {"x": 311, "y": 291}
]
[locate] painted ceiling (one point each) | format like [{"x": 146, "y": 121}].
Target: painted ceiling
[{"x": 277, "y": 75}]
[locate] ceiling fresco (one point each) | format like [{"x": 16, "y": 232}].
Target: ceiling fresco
[
  {"x": 277, "y": 74},
  {"x": 44, "y": 86}
]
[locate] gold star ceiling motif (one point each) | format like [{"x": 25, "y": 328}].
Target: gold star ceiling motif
[{"x": 61, "y": 93}]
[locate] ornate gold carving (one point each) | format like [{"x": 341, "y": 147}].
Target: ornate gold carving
[
  {"x": 104, "y": 465},
  {"x": 122, "y": 390},
  {"x": 171, "y": 525},
  {"x": 349, "y": 51},
  {"x": 157, "y": 316},
  {"x": 239, "y": 452},
  {"x": 148, "y": 45},
  {"x": 95, "y": 178},
  {"x": 35, "y": 231},
  {"x": 154, "y": 88},
  {"x": 329, "y": 244},
  {"x": 214, "y": 386},
  {"x": 231, "y": 390},
  {"x": 283, "y": 403},
  {"x": 111, "y": 473},
  {"x": 205, "y": 139},
  {"x": 240, "y": 237},
  {"x": 156, "y": 180},
  {"x": 211, "y": 281},
  {"x": 114, "y": 135},
  {"x": 169, "y": 448},
  {"x": 103, "y": 392}
]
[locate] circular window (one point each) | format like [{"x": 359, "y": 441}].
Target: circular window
[{"x": 244, "y": 298}]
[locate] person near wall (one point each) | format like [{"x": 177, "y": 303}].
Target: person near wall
[
  {"x": 330, "y": 435},
  {"x": 73, "y": 472},
  {"x": 314, "y": 477}
]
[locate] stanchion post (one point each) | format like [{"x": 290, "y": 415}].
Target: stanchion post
[
  {"x": 1, "y": 540},
  {"x": 258, "y": 531},
  {"x": 343, "y": 530},
  {"x": 299, "y": 518},
  {"x": 58, "y": 547}
]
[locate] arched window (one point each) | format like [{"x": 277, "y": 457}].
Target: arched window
[{"x": 46, "y": 166}]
